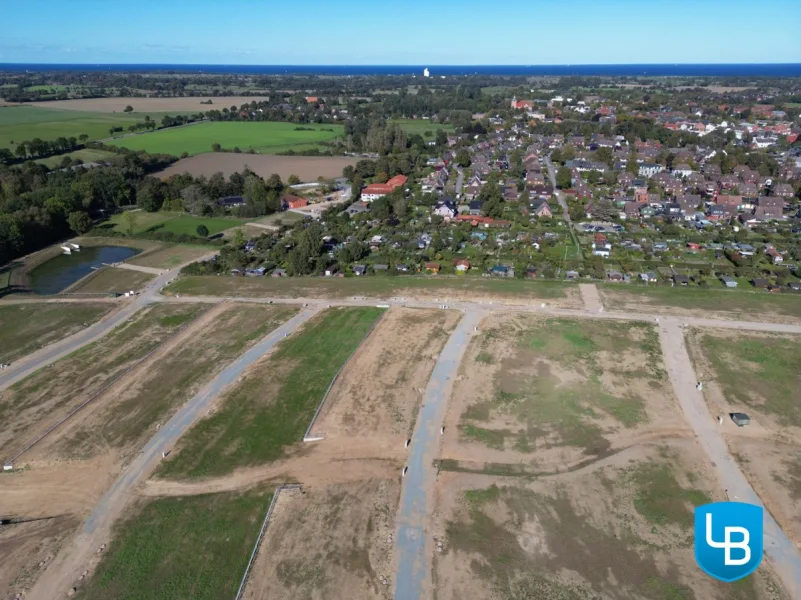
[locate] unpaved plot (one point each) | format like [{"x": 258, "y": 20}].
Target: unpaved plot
[
  {"x": 184, "y": 105},
  {"x": 759, "y": 374},
  {"x": 132, "y": 409},
  {"x": 620, "y": 531},
  {"x": 379, "y": 391},
  {"x": 307, "y": 168},
  {"x": 27, "y": 327},
  {"x": 110, "y": 280},
  {"x": 62, "y": 498},
  {"x": 590, "y": 297},
  {"x": 169, "y": 257},
  {"x": 40, "y": 400},
  {"x": 553, "y": 394},
  {"x": 328, "y": 542},
  {"x": 719, "y": 304}
]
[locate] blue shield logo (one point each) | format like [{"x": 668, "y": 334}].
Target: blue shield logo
[{"x": 728, "y": 539}]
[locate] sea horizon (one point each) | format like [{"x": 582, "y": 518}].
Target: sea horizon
[{"x": 620, "y": 70}]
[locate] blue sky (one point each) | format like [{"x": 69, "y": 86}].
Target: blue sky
[{"x": 414, "y": 32}]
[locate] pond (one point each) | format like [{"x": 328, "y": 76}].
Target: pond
[{"x": 58, "y": 273}]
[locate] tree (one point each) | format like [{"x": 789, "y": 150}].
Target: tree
[
  {"x": 442, "y": 138},
  {"x": 563, "y": 178},
  {"x": 79, "y": 221},
  {"x": 83, "y": 137},
  {"x": 293, "y": 180},
  {"x": 215, "y": 147},
  {"x": 202, "y": 230},
  {"x": 129, "y": 217},
  {"x": 605, "y": 210},
  {"x": 379, "y": 208},
  {"x": 128, "y": 108},
  {"x": 463, "y": 158},
  {"x": 150, "y": 195}
]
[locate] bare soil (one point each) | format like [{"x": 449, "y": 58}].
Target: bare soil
[
  {"x": 140, "y": 105},
  {"x": 379, "y": 391},
  {"x": 169, "y": 257},
  {"x": 307, "y": 168},
  {"x": 621, "y": 529},
  {"x": 329, "y": 542}
]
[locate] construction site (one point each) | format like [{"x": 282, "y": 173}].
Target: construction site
[{"x": 414, "y": 446}]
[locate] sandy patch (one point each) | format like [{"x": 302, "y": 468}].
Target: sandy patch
[
  {"x": 307, "y": 168},
  {"x": 379, "y": 391}
]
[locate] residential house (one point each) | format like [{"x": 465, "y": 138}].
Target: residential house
[
  {"x": 729, "y": 282},
  {"x": 359, "y": 269},
  {"x": 278, "y": 273},
  {"x": 682, "y": 280},
  {"x": 431, "y": 267},
  {"x": 475, "y": 207},
  {"x": 648, "y": 170},
  {"x": 783, "y": 190},
  {"x": 232, "y": 201},
  {"x": 446, "y": 208},
  {"x": 462, "y": 265},
  {"x": 541, "y": 208},
  {"x": 682, "y": 170},
  {"x": 774, "y": 255}
]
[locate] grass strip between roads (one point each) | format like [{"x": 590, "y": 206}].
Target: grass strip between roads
[
  {"x": 25, "y": 328},
  {"x": 175, "y": 548},
  {"x": 270, "y": 409}
]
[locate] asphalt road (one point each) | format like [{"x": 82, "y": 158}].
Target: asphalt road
[
  {"x": 414, "y": 549},
  {"x": 459, "y": 181},
  {"x": 785, "y": 557},
  {"x": 69, "y": 563}
]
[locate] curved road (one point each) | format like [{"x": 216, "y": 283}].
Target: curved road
[{"x": 71, "y": 562}]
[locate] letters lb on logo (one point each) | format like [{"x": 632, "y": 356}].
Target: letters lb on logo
[{"x": 728, "y": 539}]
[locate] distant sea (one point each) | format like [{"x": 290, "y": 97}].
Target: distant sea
[{"x": 697, "y": 70}]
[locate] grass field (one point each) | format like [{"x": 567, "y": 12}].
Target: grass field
[
  {"x": 168, "y": 382},
  {"x": 264, "y": 137},
  {"x": 111, "y": 279},
  {"x": 178, "y": 223},
  {"x": 87, "y": 155},
  {"x": 381, "y": 287},
  {"x": 177, "y": 548},
  {"x": 271, "y": 407},
  {"x": 25, "y": 328},
  {"x": 762, "y": 372},
  {"x": 745, "y": 304},
  {"x": 40, "y": 398},
  {"x": 23, "y": 123},
  {"x": 170, "y": 257},
  {"x": 420, "y": 126}
]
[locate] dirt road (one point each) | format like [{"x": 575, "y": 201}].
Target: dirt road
[
  {"x": 784, "y": 556},
  {"x": 69, "y": 563},
  {"x": 414, "y": 550}
]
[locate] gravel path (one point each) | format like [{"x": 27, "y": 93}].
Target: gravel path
[
  {"x": 784, "y": 556},
  {"x": 414, "y": 550},
  {"x": 69, "y": 563}
]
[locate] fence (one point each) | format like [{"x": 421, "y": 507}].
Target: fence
[
  {"x": 278, "y": 490},
  {"x": 309, "y": 436}
]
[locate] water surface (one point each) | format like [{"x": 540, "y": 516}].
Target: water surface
[{"x": 60, "y": 272}]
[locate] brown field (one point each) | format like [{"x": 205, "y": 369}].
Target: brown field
[
  {"x": 569, "y": 471},
  {"x": 308, "y": 168},
  {"x": 379, "y": 391},
  {"x": 329, "y": 542},
  {"x": 170, "y": 257},
  {"x": 759, "y": 374},
  {"x": 112, "y": 105}
]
